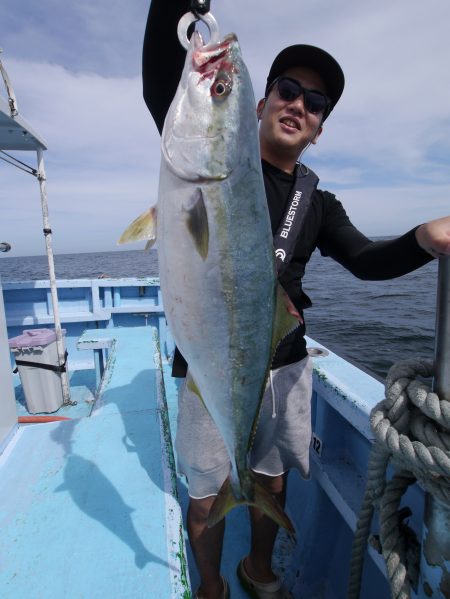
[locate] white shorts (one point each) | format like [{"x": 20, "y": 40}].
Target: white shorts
[{"x": 281, "y": 442}]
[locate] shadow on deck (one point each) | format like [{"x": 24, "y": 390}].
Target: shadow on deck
[{"x": 87, "y": 505}]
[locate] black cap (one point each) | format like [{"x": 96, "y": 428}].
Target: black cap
[{"x": 313, "y": 58}]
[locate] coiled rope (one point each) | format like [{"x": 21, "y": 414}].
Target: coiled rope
[{"x": 411, "y": 433}]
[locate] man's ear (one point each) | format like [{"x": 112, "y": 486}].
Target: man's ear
[
  {"x": 317, "y": 135},
  {"x": 260, "y": 107}
]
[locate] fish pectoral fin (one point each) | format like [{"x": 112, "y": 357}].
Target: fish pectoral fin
[
  {"x": 284, "y": 322},
  {"x": 143, "y": 227},
  {"x": 254, "y": 494},
  {"x": 197, "y": 221}
]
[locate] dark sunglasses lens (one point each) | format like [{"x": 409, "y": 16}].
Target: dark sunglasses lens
[
  {"x": 315, "y": 102},
  {"x": 288, "y": 89}
]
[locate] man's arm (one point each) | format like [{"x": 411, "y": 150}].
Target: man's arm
[
  {"x": 367, "y": 259},
  {"x": 163, "y": 56}
]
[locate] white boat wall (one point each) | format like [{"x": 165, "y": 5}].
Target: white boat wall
[{"x": 89, "y": 505}]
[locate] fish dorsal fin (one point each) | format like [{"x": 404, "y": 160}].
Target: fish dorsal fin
[
  {"x": 197, "y": 221},
  {"x": 142, "y": 228},
  {"x": 284, "y": 322}
]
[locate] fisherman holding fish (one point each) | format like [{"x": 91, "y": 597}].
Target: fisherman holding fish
[{"x": 304, "y": 85}]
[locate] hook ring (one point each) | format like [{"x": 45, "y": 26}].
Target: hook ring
[{"x": 189, "y": 18}]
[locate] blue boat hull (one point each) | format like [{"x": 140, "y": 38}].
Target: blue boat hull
[{"x": 90, "y": 506}]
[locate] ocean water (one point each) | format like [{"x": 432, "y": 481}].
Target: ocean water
[
  {"x": 372, "y": 324},
  {"x": 134, "y": 263}
]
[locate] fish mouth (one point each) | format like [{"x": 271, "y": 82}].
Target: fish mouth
[
  {"x": 208, "y": 60},
  {"x": 214, "y": 52}
]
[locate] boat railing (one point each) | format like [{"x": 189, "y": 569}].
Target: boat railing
[
  {"x": 435, "y": 568},
  {"x": 85, "y": 304},
  {"x": 442, "y": 344}
]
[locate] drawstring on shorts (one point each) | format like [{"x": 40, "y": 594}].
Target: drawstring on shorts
[{"x": 274, "y": 411}]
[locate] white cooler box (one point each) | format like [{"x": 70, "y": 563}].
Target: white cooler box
[{"x": 36, "y": 356}]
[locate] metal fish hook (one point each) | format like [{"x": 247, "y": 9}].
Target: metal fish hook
[{"x": 189, "y": 18}]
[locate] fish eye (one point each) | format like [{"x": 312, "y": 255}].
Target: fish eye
[{"x": 220, "y": 89}]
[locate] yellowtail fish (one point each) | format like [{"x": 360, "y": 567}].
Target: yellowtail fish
[{"x": 216, "y": 260}]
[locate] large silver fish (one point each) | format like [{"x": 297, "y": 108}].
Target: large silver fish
[{"x": 216, "y": 258}]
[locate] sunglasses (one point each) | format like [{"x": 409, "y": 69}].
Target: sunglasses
[{"x": 291, "y": 89}]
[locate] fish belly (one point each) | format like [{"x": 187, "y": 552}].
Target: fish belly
[{"x": 219, "y": 307}]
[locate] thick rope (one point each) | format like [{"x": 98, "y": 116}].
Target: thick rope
[
  {"x": 400, "y": 553},
  {"x": 410, "y": 427},
  {"x": 374, "y": 490}
]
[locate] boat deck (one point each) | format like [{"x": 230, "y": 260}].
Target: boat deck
[
  {"x": 89, "y": 506},
  {"x": 92, "y": 506}
]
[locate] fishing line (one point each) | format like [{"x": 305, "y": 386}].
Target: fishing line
[
  {"x": 299, "y": 160},
  {"x": 306, "y": 147}
]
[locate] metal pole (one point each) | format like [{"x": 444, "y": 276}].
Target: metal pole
[
  {"x": 441, "y": 383},
  {"x": 51, "y": 269},
  {"x": 435, "y": 558}
]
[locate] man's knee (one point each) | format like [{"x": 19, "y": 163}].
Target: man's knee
[
  {"x": 199, "y": 508},
  {"x": 276, "y": 485}
]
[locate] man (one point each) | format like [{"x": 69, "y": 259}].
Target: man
[{"x": 303, "y": 86}]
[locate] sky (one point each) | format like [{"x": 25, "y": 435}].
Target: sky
[{"x": 76, "y": 71}]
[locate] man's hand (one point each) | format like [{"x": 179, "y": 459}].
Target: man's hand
[
  {"x": 291, "y": 308},
  {"x": 434, "y": 237}
]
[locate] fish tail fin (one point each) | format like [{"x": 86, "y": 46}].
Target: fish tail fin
[
  {"x": 224, "y": 503},
  {"x": 265, "y": 501},
  {"x": 254, "y": 494}
]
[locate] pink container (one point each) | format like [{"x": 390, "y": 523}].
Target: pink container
[
  {"x": 41, "y": 386},
  {"x": 33, "y": 338}
]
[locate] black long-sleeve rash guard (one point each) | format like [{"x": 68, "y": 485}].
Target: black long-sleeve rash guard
[{"x": 326, "y": 225}]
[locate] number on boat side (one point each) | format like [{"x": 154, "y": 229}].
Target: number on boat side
[{"x": 316, "y": 444}]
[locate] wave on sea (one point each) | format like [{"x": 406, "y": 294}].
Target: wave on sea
[{"x": 371, "y": 323}]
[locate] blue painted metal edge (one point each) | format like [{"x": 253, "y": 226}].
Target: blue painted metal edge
[{"x": 176, "y": 549}]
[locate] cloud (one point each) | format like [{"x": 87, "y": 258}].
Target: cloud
[
  {"x": 79, "y": 112},
  {"x": 395, "y": 109},
  {"x": 387, "y": 210},
  {"x": 76, "y": 72},
  {"x": 102, "y": 161},
  {"x": 103, "y": 37}
]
